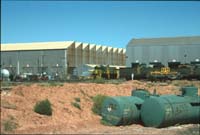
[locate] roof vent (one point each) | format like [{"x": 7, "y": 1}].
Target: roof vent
[
  {"x": 155, "y": 61},
  {"x": 173, "y": 60}
]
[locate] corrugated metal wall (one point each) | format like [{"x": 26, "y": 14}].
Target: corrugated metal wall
[
  {"x": 183, "y": 52},
  {"x": 60, "y": 61},
  {"x": 49, "y": 61}
]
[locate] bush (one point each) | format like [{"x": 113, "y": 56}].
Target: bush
[
  {"x": 100, "y": 80},
  {"x": 9, "y": 124},
  {"x": 51, "y": 84},
  {"x": 77, "y": 105},
  {"x": 77, "y": 99},
  {"x": 43, "y": 107},
  {"x": 105, "y": 123},
  {"x": 55, "y": 84},
  {"x": 98, "y": 101}
]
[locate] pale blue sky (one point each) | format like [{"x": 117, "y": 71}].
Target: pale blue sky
[{"x": 112, "y": 23}]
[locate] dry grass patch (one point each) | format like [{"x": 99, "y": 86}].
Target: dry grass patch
[
  {"x": 8, "y": 124},
  {"x": 7, "y": 105}
]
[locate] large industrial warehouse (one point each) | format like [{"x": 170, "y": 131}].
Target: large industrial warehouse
[
  {"x": 182, "y": 49},
  {"x": 57, "y": 57}
]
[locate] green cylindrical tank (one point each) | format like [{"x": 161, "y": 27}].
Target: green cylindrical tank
[
  {"x": 141, "y": 93},
  {"x": 121, "y": 110},
  {"x": 189, "y": 91},
  {"x": 169, "y": 110}
]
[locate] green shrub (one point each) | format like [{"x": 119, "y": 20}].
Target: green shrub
[
  {"x": 55, "y": 84},
  {"x": 77, "y": 99},
  {"x": 105, "y": 123},
  {"x": 85, "y": 94},
  {"x": 99, "y": 80},
  {"x": 9, "y": 124},
  {"x": 77, "y": 105},
  {"x": 28, "y": 83},
  {"x": 51, "y": 84},
  {"x": 98, "y": 101},
  {"x": 43, "y": 107}
]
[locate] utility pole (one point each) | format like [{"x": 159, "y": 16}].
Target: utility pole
[
  {"x": 38, "y": 63},
  {"x": 185, "y": 57},
  {"x": 42, "y": 63}
]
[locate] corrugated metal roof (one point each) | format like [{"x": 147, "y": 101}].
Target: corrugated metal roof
[
  {"x": 115, "y": 50},
  {"x": 120, "y": 50},
  {"x": 52, "y": 46},
  {"x": 124, "y": 51},
  {"x": 77, "y": 44},
  {"x": 36, "y": 46},
  {"x": 94, "y": 65},
  {"x": 98, "y": 47},
  {"x": 85, "y": 45},
  {"x": 91, "y": 46},
  {"x": 109, "y": 49},
  {"x": 104, "y": 48},
  {"x": 193, "y": 40}
]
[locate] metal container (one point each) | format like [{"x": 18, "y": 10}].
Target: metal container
[
  {"x": 189, "y": 91},
  {"x": 121, "y": 110},
  {"x": 126, "y": 73},
  {"x": 5, "y": 73},
  {"x": 141, "y": 93},
  {"x": 169, "y": 110},
  {"x": 196, "y": 73}
]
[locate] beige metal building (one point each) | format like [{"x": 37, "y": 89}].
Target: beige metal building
[{"x": 57, "y": 57}]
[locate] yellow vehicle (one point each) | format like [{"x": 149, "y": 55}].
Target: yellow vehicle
[
  {"x": 97, "y": 73},
  {"x": 163, "y": 74},
  {"x": 105, "y": 72}
]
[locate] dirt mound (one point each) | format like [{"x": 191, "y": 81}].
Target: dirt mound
[{"x": 19, "y": 102}]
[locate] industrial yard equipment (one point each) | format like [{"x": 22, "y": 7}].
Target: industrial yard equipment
[
  {"x": 164, "y": 74},
  {"x": 124, "y": 110},
  {"x": 125, "y": 73},
  {"x": 141, "y": 93},
  {"x": 4, "y": 74},
  {"x": 121, "y": 110},
  {"x": 97, "y": 73},
  {"x": 140, "y": 71},
  {"x": 106, "y": 72},
  {"x": 153, "y": 110},
  {"x": 186, "y": 71},
  {"x": 196, "y": 69},
  {"x": 156, "y": 71},
  {"x": 168, "y": 110}
]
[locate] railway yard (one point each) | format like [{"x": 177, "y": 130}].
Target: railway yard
[
  {"x": 103, "y": 67},
  {"x": 18, "y": 100}
]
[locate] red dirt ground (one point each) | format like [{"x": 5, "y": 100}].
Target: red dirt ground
[{"x": 67, "y": 119}]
